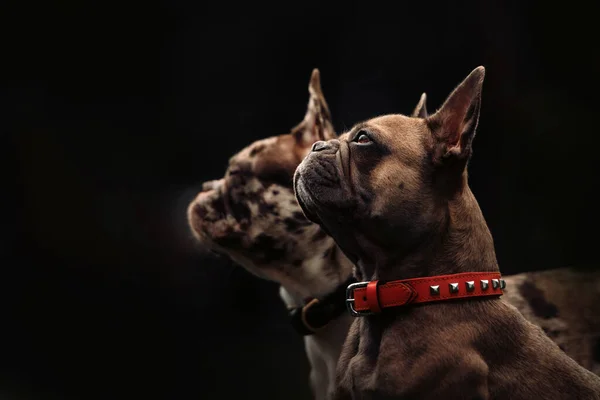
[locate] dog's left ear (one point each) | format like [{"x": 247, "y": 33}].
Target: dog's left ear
[
  {"x": 317, "y": 123},
  {"x": 420, "y": 110},
  {"x": 455, "y": 123}
]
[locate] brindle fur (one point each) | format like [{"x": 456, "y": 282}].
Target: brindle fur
[{"x": 399, "y": 206}]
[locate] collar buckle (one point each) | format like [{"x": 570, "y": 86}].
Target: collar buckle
[{"x": 350, "y": 300}]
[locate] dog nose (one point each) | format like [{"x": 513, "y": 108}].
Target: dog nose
[{"x": 320, "y": 145}]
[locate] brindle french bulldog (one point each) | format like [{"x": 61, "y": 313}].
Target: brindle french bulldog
[{"x": 393, "y": 193}]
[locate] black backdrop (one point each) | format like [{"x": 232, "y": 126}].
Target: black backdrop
[{"x": 117, "y": 111}]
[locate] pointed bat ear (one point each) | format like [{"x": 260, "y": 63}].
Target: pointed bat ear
[
  {"x": 317, "y": 123},
  {"x": 455, "y": 123},
  {"x": 420, "y": 110}
]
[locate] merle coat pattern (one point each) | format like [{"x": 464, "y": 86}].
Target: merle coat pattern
[{"x": 252, "y": 216}]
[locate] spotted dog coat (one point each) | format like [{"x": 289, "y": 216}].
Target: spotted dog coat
[{"x": 252, "y": 216}]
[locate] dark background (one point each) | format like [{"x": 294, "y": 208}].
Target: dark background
[{"x": 117, "y": 111}]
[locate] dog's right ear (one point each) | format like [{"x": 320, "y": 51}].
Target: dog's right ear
[
  {"x": 454, "y": 124},
  {"x": 420, "y": 110},
  {"x": 317, "y": 123}
]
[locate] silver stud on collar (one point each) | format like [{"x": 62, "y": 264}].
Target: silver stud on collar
[
  {"x": 484, "y": 284},
  {"x": 453, "y": 287},
  {"x": 495, "y": 283},
  {"x": 502, "y": 284},
  {"x": 434, "y": 290},
  {"x": 470, "y": 286}
]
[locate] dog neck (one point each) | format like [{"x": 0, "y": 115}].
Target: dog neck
[
  {"x": 461, "y": 243},
  {"x": 321, "y": 275}
]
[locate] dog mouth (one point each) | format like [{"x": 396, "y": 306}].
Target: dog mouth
[
  {"x": 305, "y": 199},
  {"x": 319, "y": 185},
  {"x": 319, "y": 190},
  {"x": 207, "y": 214}
]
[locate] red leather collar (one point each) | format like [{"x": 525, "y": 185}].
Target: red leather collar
[{"x": 366, "y": 298}]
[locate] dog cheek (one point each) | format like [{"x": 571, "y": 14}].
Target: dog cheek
[
  {"x": 237, "y": 203},
  {"x": 227, "y": 238}
]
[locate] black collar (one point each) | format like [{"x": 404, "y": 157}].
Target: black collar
[{"x": 316, "y": 313}]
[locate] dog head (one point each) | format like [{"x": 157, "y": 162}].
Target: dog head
[
  {"x": 251, "y": 214},
  {"x": 384, "y": 187}
]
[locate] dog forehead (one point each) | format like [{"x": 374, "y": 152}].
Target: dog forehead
[
  {"x": 259, "y": 152},
  {"x": 403, "y": 134},
  {"x": 255, "y": 149},
  {"x": 397, "y": 127},
  {"x": 270, "y": 160}
]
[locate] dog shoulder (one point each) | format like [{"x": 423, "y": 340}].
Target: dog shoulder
[
  {"x": 563, "y": 303},
  {"x": 522, "y": 344},
  {"x": 408, "y": 369}
]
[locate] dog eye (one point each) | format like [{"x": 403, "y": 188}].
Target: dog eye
[{"x": 362, "y": 138}]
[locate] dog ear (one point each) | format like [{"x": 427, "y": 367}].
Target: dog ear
[
  {"x": 420, "y": 110},
  {"x": 455, "y": 123},
  {"x": 317, "y": 123}
]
